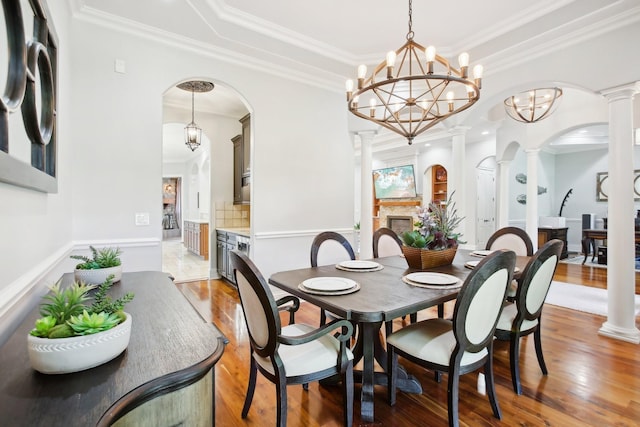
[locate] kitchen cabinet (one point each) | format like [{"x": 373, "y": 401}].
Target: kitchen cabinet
[
  {"x": 242, "y": 163},
  {"x": 196, "y": 238},
  {"x": 546, "y": 234}
]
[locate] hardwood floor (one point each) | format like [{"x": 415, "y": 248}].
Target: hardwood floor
[{"x": 592, "y": 380}]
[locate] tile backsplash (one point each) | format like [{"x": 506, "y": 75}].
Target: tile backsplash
[{"x": 229, "y": 215}]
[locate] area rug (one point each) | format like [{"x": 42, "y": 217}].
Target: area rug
[
  {"x": 577, "y": 259},
  {"x": 581, "y": 298}
]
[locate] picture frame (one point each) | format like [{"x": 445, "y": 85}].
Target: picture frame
[{"x": 602, "y": 186}]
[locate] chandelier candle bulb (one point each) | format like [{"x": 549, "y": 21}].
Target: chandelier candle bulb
[
  {"x": 463, "y": 60},
  {"x": 450, "y": 97},
  {"x": 362, "y": 72},
  {"x": 391, "y": 61},
  {"x": 372, "y": 107},
  {"x": 349, "y": 87}
]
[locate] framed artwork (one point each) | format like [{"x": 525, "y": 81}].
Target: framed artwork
[{"x": 602, "y": 186}]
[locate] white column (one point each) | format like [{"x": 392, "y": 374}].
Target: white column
[
  {"x": 366, "y": 195},
  {"x": 620, "y": 322},
  {"x": 457, "y": 178},
  {"x": 503, "y": 194},
  {"x": 532, "y": 195}
]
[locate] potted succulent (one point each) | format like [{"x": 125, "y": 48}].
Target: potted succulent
[
  {"x": 73, "y": 336},
  {"x": 434, "y": 242},
  {"x": 103, "y": 263}
]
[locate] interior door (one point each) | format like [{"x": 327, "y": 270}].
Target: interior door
[{"x": 486, "y": 205}]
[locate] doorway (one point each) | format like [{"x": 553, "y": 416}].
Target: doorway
[{"x": 486, "y": 201}]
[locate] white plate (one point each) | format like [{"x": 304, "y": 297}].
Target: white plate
[
  {"x": 471, "y": 264},
  {"x": 329, "y": 284},
  {"x": 432, "y": 278},
  {"x": 359, "y": 265},
  {"x": 481, "y": 253}
]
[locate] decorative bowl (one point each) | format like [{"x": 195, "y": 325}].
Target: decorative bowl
[
  {"x": 98, "y": 276},
  {"x": 422, "y": 258},
  {"x": 74, "y": 354}
]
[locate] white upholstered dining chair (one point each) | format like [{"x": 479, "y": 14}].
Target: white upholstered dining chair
[
  {"x": 523, "y": 316},
  {"x": 463, "y": 344},
  {"x": 294, "y": 354}
]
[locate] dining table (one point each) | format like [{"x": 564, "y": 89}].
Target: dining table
[{"x": 383, "y": 293}]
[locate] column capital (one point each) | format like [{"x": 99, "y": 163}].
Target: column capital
[
  {"x": 531, "y": 150},
  {"x": 366, "y": 135},
  {"x": 621, "y": 92},
  {"x": 459, "y": 130}
]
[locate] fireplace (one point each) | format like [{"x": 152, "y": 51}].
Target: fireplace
[{"x": 400, "y": 224}]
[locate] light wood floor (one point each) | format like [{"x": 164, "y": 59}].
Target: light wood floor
[{"x": 592, "y": 380}]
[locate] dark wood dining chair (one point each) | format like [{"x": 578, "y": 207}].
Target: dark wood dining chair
[
  {"x": 329, "y": 248},
  {"x": 386, "y": 243},
  {"x": 294, "y": 354},
  {"x": 523, "y": 316},
  {"x": 513, "y": 238},
  {"x": 463, "y": 344}
]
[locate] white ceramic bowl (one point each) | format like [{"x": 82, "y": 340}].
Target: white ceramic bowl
[
  {"x": 97, "y": 277},
  {"x": 65, "y": 355}
]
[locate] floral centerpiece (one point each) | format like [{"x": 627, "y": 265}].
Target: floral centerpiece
[{"x": 434, "y": 242}]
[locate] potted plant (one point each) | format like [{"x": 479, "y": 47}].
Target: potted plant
[
  {"x": 103, "y": 263},
  {"x": 434, "y": 242},
  {"x": 72, "y": 336}
]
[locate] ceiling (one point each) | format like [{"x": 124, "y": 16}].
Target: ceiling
[{"x": 323, "y": 42}]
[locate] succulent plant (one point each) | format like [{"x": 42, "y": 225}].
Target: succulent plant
[
  {"x": 101, "y": 258},
  {"x": 92, "y": 323},
  {"x": 65, "y": 313}
]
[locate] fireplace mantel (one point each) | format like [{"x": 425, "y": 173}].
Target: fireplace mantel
[{"x": 384, "y": 207}]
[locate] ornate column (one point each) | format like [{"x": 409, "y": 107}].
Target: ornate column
[
  {"x": 366, "y": 194},
  {"x": 503, "y": 194},
  {"x": 532, "y": 195},
  {"x": 457, "y": 177},
  {"x": 620, "y": 322}
]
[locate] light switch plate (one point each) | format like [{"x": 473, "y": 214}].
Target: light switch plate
[
  {"x": 120, "y": 66},
  {"x": 142, "y": 218}
]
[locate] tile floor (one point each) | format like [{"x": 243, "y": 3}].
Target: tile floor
[{"x": 182, "y": 264}]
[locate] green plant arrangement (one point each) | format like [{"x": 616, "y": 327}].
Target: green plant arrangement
[
  {"x": 435, "y": 241},
  {"x": 78, "y": 331},
  {"x": 65, "y": 312},
  {"x": 103, "y": 262},
  {"x": 101, "y": 258},
  {"x": 436, "y": 227}
]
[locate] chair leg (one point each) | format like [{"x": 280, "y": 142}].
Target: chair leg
[
  {"x": 538, "y": 344},
  {"x": 514, "y": 361},
  {"x": 323, "y": 317},
  {"x": 253, "y": 372},
  {"x": 491, "y": 386},
  {"x": 453, "y": 395},
  {"x": 392, "y": 365},
  {"x": 388, "y": 328},
  {"x": 413, "y": 317},
  {"x": 281, "y": 398},
  {"x": 437, "y": 375},
  {"x": 347, "y": 392}
]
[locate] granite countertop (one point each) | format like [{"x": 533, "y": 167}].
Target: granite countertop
[{"x": 240, "y": 230}]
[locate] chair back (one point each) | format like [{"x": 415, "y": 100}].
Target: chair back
[
  {"x": 329, "y": 248},
  {"x": 480, "y": 300},
  {"x": 386, "y": 243},
  {"x": 258, "y": 305},
  {"x": 513, "y": 238},
  {"x": 536, "y": 280}
]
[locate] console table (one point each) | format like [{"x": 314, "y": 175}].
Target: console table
[
  {"x": 589, "y": 236},
  {"x": 165, "y": 376},
  {"x": 545, "y": 234}
]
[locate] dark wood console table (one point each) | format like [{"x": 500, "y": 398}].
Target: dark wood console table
[
  {"x": 165, "y": 377},
  {"x": 589, "y": 237},
  {"x": 545, "y": 234}
]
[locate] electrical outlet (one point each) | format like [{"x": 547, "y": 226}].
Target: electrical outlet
[
  {"x": 142, "y": 218},
  {"x": 120, "y": 66}
]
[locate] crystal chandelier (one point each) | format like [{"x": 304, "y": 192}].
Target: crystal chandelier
[
  {"x": 414, "y": 89},
  {"x": 192, "y": 133},
  {"x": 533, "y": 105}
]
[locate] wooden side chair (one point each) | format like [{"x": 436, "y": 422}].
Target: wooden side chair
[
  {"x": 386, "y": 243},
  {"x": 523, "y": 316},
  {"x": 329, "y": 248},
  {"x": 463, "y": 344},
  {"x": 513, "y": 238},
  {"x": 294, "y": 354}
]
